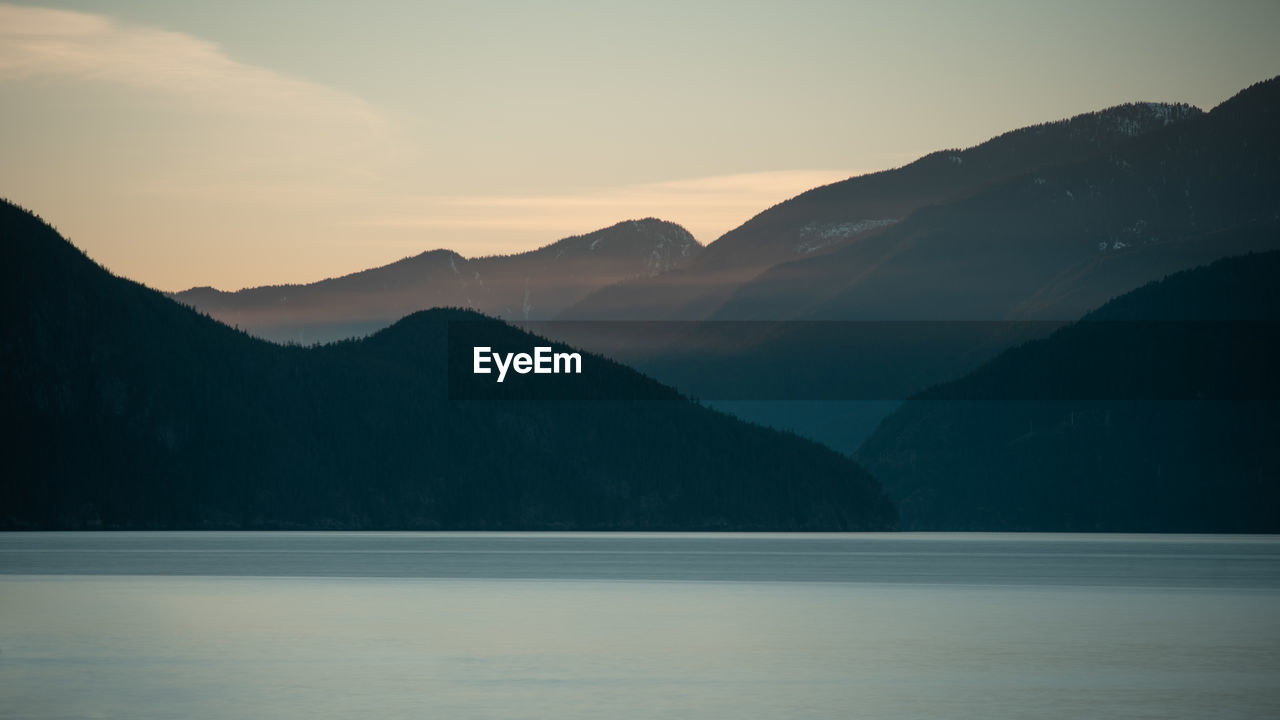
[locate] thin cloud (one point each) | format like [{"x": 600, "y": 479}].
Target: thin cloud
[
  {"x": 707, "y": 206},
  {"x": 44, "y": 45},
  {"x": 261, "y": 153}
]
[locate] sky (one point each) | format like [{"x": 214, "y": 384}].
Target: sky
[{"x": 242, "y": 143}]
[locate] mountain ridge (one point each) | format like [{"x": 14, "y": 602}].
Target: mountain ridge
[
  {"x": 1154, "y": 413},
  {"x": 962, "y": 260},
  {"x": 519, "y": 286},
  {"x": 823, "y": 219}
]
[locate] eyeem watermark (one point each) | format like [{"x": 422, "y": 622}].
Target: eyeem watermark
[{"x": 541, "y": 362}]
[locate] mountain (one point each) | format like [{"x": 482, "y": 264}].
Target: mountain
[
  {"x": 1057, "y": 241},
  {"x": 1048, "y": 244},
  {"x": 1156, "y": 413},
  {"x": 853, "y": 211},
  {"x": 527, "y": 286},
  {"x": 124, "y": 409}
]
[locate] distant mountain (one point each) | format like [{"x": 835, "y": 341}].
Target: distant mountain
[
  {"x": 124, "y": 409},
  {"x": 1158, "y": 412},
  {"x": 1056, "y": 241},
  {"x": 527, "y": 286},
  {"x": 851, "y": 212}
]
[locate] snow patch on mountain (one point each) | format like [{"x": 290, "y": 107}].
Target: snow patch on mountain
[
  {"x": 815, "y": 236},
  {"x": 669, "y": 252},
  {"x": 1144, "y": 115}
]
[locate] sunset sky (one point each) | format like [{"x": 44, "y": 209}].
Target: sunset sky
[{"x": 242, "y": 143}]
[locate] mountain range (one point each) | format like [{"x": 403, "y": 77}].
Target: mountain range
[
  {"x": 1057, "y": 241},
  {"x": 1041, "y": 223},
  {"x": 125, "y": 409},
  {"x": 1137, "y": 404},
  {"x": 1045, "y": 222},
  {"x": 534, "y": 285},
  {"x": 1068, "y": 216},
  {"x": 807, "y": 229}
]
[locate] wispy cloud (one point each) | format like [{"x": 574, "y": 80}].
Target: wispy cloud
[
  {"x": 707, "y": 206},
  {"x": 238, "y": 160},
  {"x": 39, "y": 44},
  {"x": 172, "y": 161},
  {"x": 240, "y": 122}
]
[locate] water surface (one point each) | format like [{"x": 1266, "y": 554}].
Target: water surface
[{"x": 293, "y": 625}]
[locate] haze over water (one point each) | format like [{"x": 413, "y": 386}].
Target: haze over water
[{"x": 465, "y": 625}]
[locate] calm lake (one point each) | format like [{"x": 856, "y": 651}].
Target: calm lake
[{"x": 512, "y": 625}]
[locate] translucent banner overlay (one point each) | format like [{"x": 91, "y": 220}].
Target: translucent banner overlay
[{"x": 864, "y": 361}]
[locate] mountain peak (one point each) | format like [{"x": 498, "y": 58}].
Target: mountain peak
[
  {"x": 526, "y": 286},
  {"x": 1118, "y": 121},
  {"x": 667, "y": 244}
]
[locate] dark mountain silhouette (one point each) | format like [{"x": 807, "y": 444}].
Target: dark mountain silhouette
[
  {"x": 124, "y": 409},
  {"x": 1054, "y": 242},
  {"x": 527, "y": 286},
  {"x": 1157, "y": 412},
  {"x": 851, "y": 212}
]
